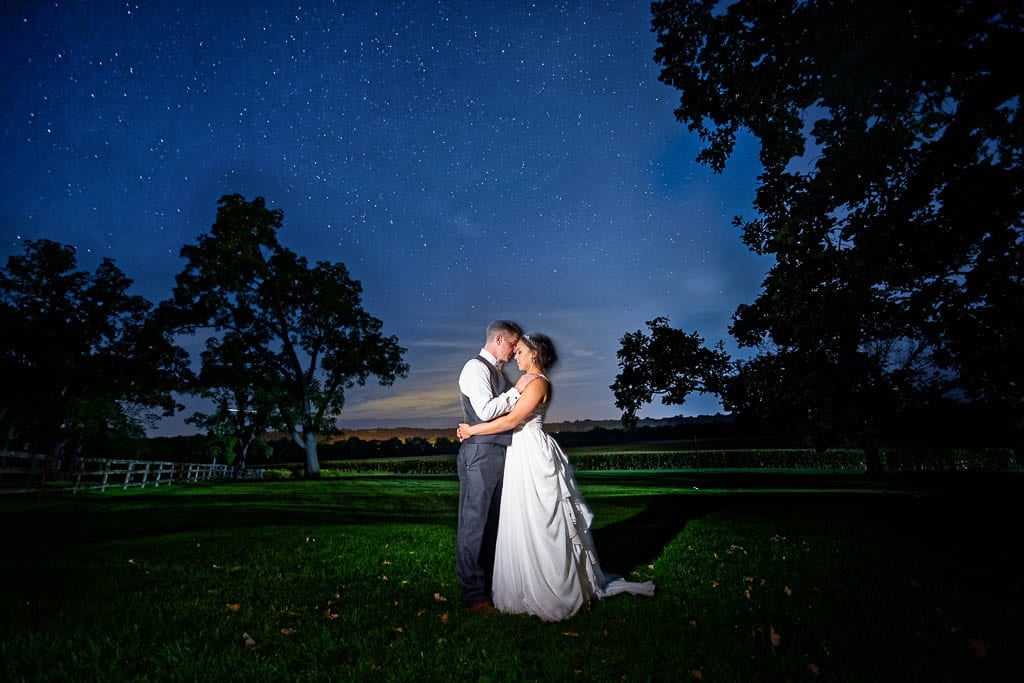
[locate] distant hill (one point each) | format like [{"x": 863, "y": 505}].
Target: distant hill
[{"x": 405, "y": 433}]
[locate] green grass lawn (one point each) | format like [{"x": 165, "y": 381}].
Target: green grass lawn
[{"x": 760, "y": 577}]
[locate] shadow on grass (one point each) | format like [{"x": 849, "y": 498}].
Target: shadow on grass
[
  {"x": 86, "y": 519},
  {"x": 966, "y": 508},
  {"x": 636, "y": 541},
  {"x": 959, "y": 518}
]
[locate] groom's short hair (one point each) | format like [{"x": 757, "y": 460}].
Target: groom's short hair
[{"x": 505, "y": 327}]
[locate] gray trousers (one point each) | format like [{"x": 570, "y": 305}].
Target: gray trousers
[{"x": 481, "y": 466}]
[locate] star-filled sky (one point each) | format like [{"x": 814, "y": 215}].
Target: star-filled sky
[{"x": 466, "y": 159}]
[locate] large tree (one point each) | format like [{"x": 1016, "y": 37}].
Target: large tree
[
  {"x": 241, "y": 417},
  {"x": 244, "y": 401},
  {"x": 891, "y": 196},
  {"x": 280, "y": 330},
  {"x": 668, "y": 363},
  {"x": 83, "y": 360}
]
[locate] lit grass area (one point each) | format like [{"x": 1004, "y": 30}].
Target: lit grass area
[{"x": 760, "y": 578}]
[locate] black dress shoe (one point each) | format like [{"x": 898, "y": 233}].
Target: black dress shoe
[{"x": 482, "y": 608}]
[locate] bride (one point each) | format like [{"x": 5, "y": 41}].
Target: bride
[{"x": 545, "y": 563}]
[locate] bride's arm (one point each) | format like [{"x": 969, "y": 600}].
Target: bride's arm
[{"x": 532, "y": 395}]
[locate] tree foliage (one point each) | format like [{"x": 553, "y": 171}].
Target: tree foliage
[
  {"x": 891, "y": 195},
  {"x": 286, "y": 338},
  {"x": 83, "y": 360},
  {"x": 668, "y": 363}
]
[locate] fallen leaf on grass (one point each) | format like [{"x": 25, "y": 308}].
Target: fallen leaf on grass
[
  {"x": 288, "y": 631},
  {"x": 329, "y": 615},
  {"x": 980, "y": 647},
  {"x": 788, "y": 591},
  {"x": 714, "y": 584},
  {"x": 775, "y": 637},
  {"x": 398, "y": 629},
  {"x": 233, "y": 606},
  {"x": 444, "y": 618},
  {"x": 571, "y": 634},
  {"x": 420, "y": 612},
  {"x": 697, "y": 674},
  {"x": 440, "y": 598},
  {"x": 813, "y": 668},
  {"x": 247, "y": 642}
]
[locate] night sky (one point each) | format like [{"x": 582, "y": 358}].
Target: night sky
[{"x": 466, "y": 161}]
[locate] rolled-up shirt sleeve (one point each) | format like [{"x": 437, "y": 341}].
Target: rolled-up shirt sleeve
[{"x": 475, "y": 383}]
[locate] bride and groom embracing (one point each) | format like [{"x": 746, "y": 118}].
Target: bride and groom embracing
[{"x": 523, "y": 544}]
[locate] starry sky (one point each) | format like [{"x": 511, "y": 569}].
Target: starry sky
[{"x": 466, "y": 160}]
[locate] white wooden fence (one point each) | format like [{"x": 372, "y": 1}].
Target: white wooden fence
[{"x": 29, "y": 472}]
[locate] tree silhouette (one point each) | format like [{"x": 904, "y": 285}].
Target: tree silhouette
[
  {"x": 281, "y": 332},
  {"x": 891, "y": 195},
  {"x": 669, "y": 363},
  {"x": 83, "y": 360}
]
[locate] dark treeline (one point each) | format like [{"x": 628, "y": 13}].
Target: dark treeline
[
  {"x": 280, "y": 450},
  {"x": 201, "y": 448},
  {"x": 959, "y": 426}
]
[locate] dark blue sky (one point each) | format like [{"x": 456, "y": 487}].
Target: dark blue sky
[{"x": 466, "y": 160}]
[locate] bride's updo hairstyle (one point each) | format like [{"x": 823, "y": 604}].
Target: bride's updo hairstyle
[{"x": 541, "y": 344}]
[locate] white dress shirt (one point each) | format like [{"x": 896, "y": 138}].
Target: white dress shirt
[{"x": 475, "y": 383}]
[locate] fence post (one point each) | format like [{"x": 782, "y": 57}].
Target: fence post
[
  {"x": 79, "y": 470},
  {"x": 83, "y": 471}
]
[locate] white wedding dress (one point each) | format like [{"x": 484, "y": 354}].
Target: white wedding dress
[{"x": 545, "y": 563}]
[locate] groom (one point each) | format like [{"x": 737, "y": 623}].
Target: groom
[{"x": 486, "y": 394}]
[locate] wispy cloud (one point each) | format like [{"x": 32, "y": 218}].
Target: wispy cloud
[{"x": 435, "y": 405}]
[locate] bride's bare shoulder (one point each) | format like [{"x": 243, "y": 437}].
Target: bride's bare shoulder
[{"x": 528, "y": 378}]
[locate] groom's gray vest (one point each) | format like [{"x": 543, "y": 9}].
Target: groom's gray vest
[{"x": 498, "y": 385}]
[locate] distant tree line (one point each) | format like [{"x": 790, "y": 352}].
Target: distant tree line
[{"x": 206, "y": 448}]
